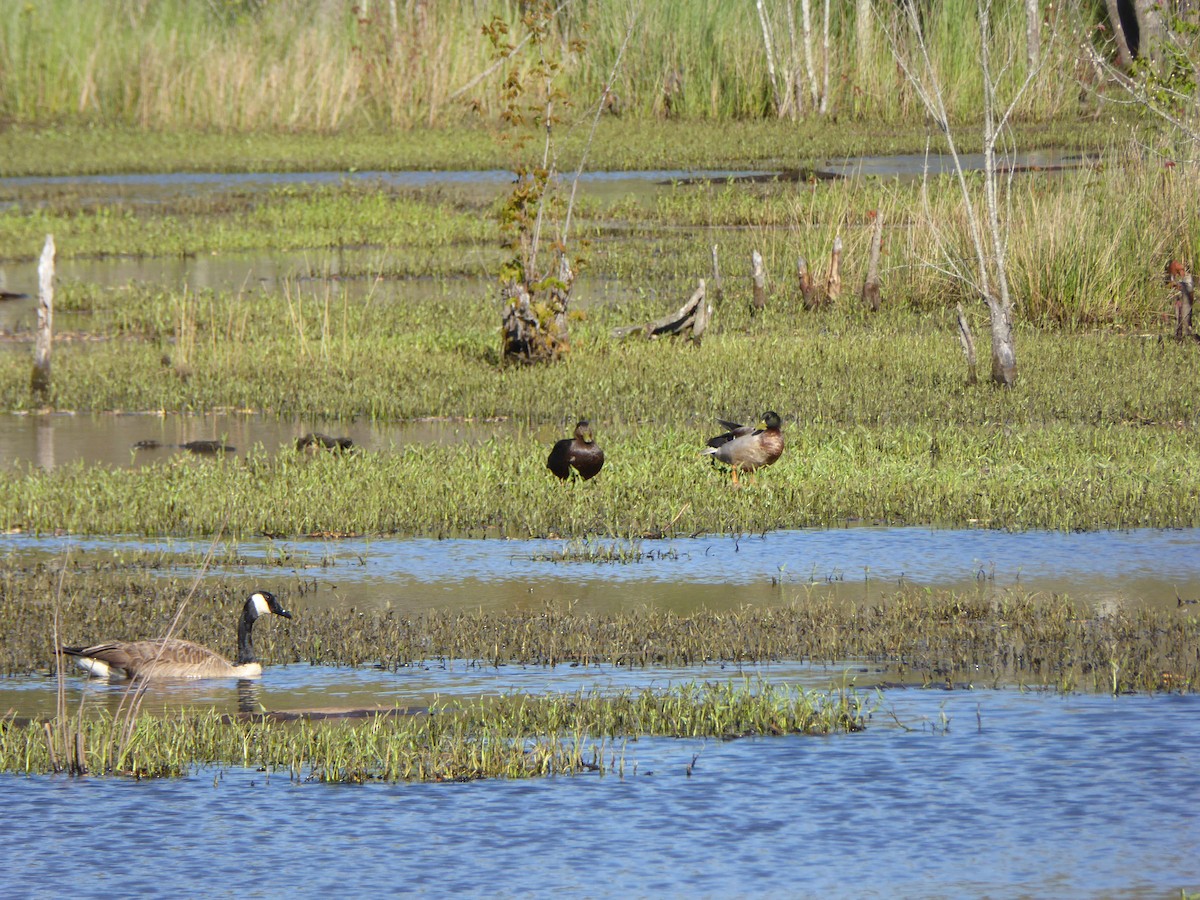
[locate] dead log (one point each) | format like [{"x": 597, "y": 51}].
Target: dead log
[
  {"x": 968, "y": 344},
  {"x": 872, "y": 285},
  {"x": 759, "y": 275},
  {"x": 40, "y": 380},
  {"x": 833, "y": 283},
  {"x": 690, "y": 320}
]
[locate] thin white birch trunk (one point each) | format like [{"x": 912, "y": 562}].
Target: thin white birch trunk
[
  {"x": 766, "y": 33},
  {"x": 1033, "y": 34},
  {"x": 824, "y": 107},
  {"x": 809, "y": 63}
]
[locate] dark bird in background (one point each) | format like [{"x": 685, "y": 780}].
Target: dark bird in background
[
  {"x": 314, "y": 441},
  {"x": 747, "y": 448},
  {"x": 580, "y": 453},
  {"x": 205, "y": 448}
]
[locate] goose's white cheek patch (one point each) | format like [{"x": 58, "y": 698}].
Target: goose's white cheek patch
[{"x": 261, "y": 607}]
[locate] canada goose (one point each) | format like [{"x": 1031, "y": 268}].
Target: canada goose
[
  {"x": 580, "y": 452},
  {"x": 174, "y": 658},
  {"x": 747, "y": 448}
]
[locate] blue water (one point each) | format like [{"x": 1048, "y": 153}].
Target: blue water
[
  {"x": 1137, "y": 567},
  {"x": 990, "y": 793}
]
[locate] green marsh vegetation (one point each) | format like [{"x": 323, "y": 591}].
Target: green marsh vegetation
[
  {"x": 513, "y": 736},
  {"x": 921, "y": 637},
  {"x": 311, "y": 66},
  {"x": 1099, "y": 432}
]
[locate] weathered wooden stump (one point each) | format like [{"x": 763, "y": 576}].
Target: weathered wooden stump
[
  {"x": 535, "y": 318},
  {"x": 872, "y": 286},
  {"x": 40, "y": 380},
  {"x": 758, "y": 274}
]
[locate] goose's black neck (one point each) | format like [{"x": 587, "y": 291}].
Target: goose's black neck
[{"x": 245, "y": 652}]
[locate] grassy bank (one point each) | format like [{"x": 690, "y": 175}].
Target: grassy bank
[
  {"x": 654, "y": 481},
  {"x": 318, "y": 66},
  {"x": 108, "y": 149}
]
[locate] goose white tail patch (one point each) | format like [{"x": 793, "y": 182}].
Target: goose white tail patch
[
  {"x": 96, "y": 667},
  {"x": 261, "y": 607}
]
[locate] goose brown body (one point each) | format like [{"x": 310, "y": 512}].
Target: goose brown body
[
  {"x": 176, "y": 658},
  {"x": 580, "y": 453},
  {"x": 746, "y": 448}
]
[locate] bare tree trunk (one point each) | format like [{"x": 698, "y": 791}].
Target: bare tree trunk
[
  {"x": 872, "y": 285},
  {"x": 795, "y": 83},
  {"x": 40, "y": 381},
  {"x": 1151, "y": 28},
  {"x": 862, "y": 29},
  {"x": 824, "y": 107},
  {"x": 806, "y": 28},
  {"x": 1004, "y": 351},
  {"x": 1124, "y": 57},
  {"x": 1033, "y": 34},
  {"x": 989, "y": 280},
  {"x": 759, "y": 275},
  {"x": 766, "y": 33}
]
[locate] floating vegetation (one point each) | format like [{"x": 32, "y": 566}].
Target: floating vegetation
[
  {"x": 515, "y": 736},
  {"x": 591, "y": 550}
]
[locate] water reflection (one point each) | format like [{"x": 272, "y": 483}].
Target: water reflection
[{"x": 331, "y": 690}]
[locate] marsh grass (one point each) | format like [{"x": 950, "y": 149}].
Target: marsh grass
[
  {"x": 1057, "y": 477},
  {"x": 312, "y": 66},
  {"x": 925, "y": 637},
  {"x": 515, "y": 736},
  {"x": 1070, "y": 248}
]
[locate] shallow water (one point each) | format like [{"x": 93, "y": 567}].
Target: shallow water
[
  {"x": 1024, "y": 794},
  {"x": 1140, "y": 567},
  {"x": 301, "y": 688},
  {"x": 49, "y": 441}
]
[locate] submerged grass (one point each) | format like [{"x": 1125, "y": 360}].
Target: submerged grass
[
  {"x": 516, "y": 736},
  {"x": 925, "y": 637}
]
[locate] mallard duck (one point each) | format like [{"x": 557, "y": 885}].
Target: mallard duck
[
  {"x": 580, "y": 452},
  {"x": 748, "y": 448},
  {"x": 175, "y": 658}
]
